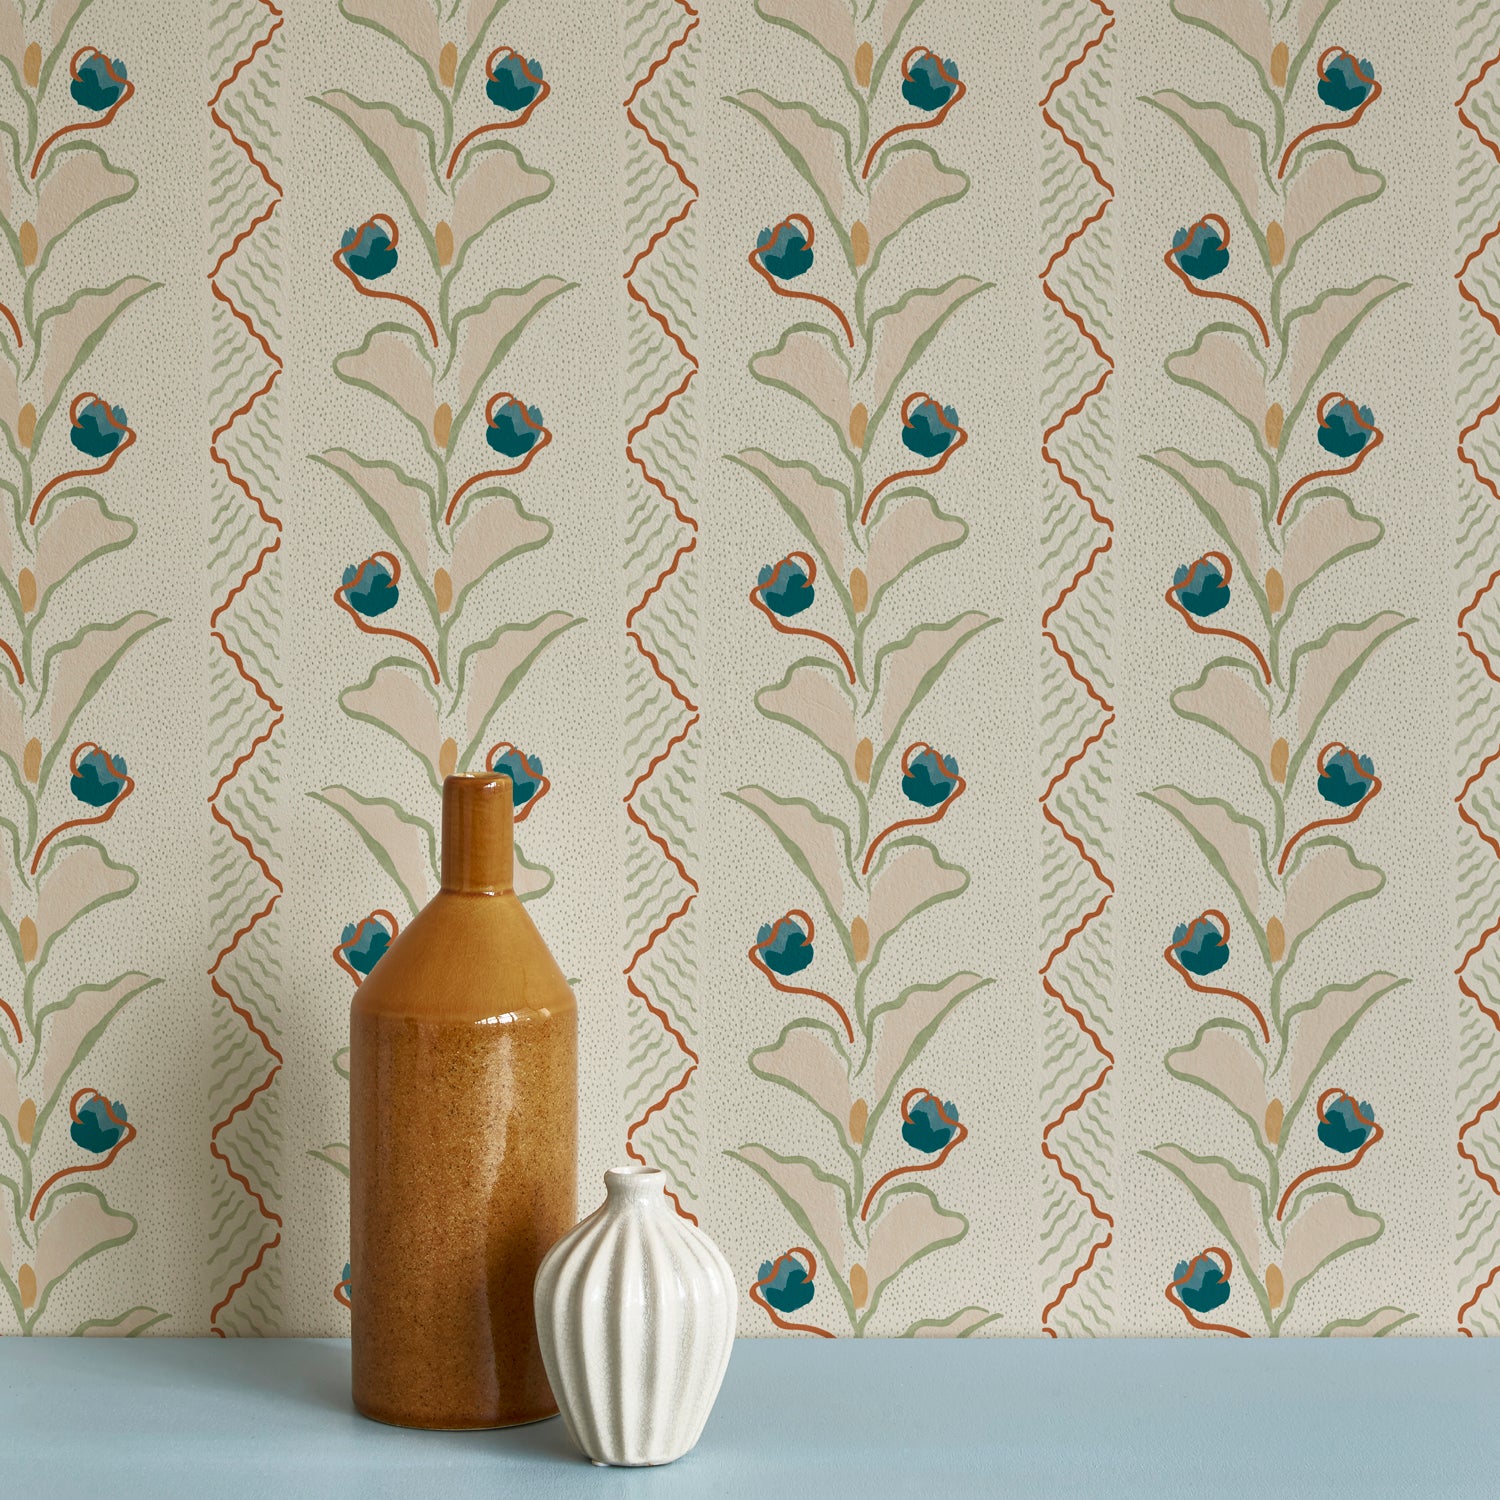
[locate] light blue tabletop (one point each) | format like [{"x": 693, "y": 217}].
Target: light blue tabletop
[{"x": 162, "y": 1418}]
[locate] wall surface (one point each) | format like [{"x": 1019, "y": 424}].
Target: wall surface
[{"x": 973, "y": 526}]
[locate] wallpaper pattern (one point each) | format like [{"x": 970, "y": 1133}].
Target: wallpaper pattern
[{"x": 946, "y": 511}]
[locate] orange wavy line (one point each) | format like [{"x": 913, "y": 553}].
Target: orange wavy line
[
  {"x": 664, "y": 753},
  {"x": 1091, "y": 691},
  {"x": 245, "y": 674}
]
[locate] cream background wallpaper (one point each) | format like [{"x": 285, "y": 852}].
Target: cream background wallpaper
[{"x": 232, "y": 1182}]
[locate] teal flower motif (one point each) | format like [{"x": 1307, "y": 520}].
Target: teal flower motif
[
  {"x": 929, "y": 779},
  {"x": 930, "y": 1124},
  {"x": 364, "y": 944},
  {"x": 786, "y": 1284},
  {"x": 370, "y": 589},
  {"x": 1200, "y": 946},
  {"x": 369, "y": 251},
  {"x": 1344, "y": 83},
  {"x": 1345, "y": 779},
  {"x": 785, "y": 589},
  {"x": 512, "y": 428},
  {"x": 784, "y": 946},
  {"x": 1201, "y": 588},
  {"x": 514, "y": 81},
  {"x": 98, "y": 429},
  {"x": 929, "y": 82},
  {"x": 1203, "y": 1286},
  {"x": 98, "y": 82},
  {"x": 785, "y": 251},
  {"x": 1344, "y": 428},
  {"x": 1202, "y": 251},
  {"x": 929, "y": 429},
  {"x": 93, "y": 1129},
  {"x": 1345, "y": 1126},
  {"x": 525, "y": 773},
  {"x": 98, "y": 778}
]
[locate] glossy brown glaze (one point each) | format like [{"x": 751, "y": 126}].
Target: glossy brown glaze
[{"x": 463, "y": 1140}]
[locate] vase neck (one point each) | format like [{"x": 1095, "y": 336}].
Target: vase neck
[
  {"x": 478, "y": 834},
  {"x": 635, "y": 1189}
]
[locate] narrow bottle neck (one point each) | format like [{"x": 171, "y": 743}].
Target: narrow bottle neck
[{"x": 478, "y": 834}]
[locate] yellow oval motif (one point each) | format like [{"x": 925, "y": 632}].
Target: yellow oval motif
[
  {"x": 27, "y": 237},
  {"x": 31, "y": 66},
  {"x": 26, "y": 1121},
  {"x": 1280, "y": 752},
  {"x": 864, "y": 64},
  {"x": 1278, "y": 65},
  {"x": 442, "y": 425},
  {"x": 26, "y": 1285},
  {"x": 859, "y": 242},
  {"x": 26, "y": 588},
  {"x": 1275, "y": 590},
  {"x": 448, "y": 64},
  {"x": 1275, "y": 939},
  {"x": 26, "y": 425},
  {"x": 442, "y": 588},
  {"x": 1275, "y": 419},
  {"x": 28, "y": 940},
  {"x": 31, "y": 760},
  {"x": 859, "y": 936},
  {"x": 447, "y": 758},
  {"x": 864, "y": 758},
  {"x": 1275, "y": 1114},
  {"x": 859, "y": 1285},
  {"x": 859, "y": 591},
  {"x": 1275, "y": 1287},
  {"x": 1275, "y": 243},
  {"x": 443, "y": 239},
  {"x": 859, "y": 422},
  {"x": 859, "y": 1117}
]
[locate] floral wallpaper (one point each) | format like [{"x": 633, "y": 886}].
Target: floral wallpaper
[{"x": 973, "y": 529}]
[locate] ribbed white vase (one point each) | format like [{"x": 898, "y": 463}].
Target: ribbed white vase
[{"x": 635, "y": 1314}]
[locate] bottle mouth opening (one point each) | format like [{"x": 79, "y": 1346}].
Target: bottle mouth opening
[{"x": 637, "y": 1182}]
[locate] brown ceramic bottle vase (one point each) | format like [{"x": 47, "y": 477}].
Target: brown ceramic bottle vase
[{"x": 463, "y": 1073}]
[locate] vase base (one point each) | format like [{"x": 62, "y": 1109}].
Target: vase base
[{"x": 387, "y": 1420}]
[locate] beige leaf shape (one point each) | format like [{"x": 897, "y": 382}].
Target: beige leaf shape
[
  {"x": 818, "y": 843},
  {"x": 12, "y": 746},
  {"x": 910, "y": 1223},
  {"x": 1326, "y": 1224},
  {"x": 894, "y": 15},
  {"x": 10, "y": 1094},
  {"x": 807, "y": 364},
  {"x": 66, "y": 1027},
  {"x": 907, "y": 530},
  {"x": 486, "y": 330},
  {"x": 830, "y": 23},
  {"x": 952, "y": 1328},
  {"x": 1237, "y": 148},
  {"x": 394, "y": 364},
  {"x": 79, "y": 181},
  {"x": 493, "y": 528},
  {"x": 413, "y": 23},
  {"x": 821, "y": 149},
  {"x": 1309, "y": 13},
  {"x": 78, "y": 877},
  {"x": 1318, "y": 330},
  {"x": 68, "y": 332},
  {"x": 807, "y": 1059},
  {"x": 1236, "y": 1201},
  {"x": 820, "y": 505},
  {"x": 530, "y": 880},
  {"x": 904, "y": 670},
  {"x": 72, "y": 532},
  {"x": 898, "y": 1027},
  {"x": 80, "y": 1223},
  {"x": 1323, "y": 876},
  {"x": 1221, "y": 1060},
  {"x": 1325, "y": 182},
  {"x": 399, "y": 699},
  {"x": 486, "y": 670},
  {"x": 1318, "y": 670},
  {"x": 1324, "y": 529},
  {"x": 336, "y": 1154},
  {"x": 1234, "y": 842},
  {"x": 407, "y": 150},
  {"x": 1319, "y": 1021},
  {"x": 404, "y": 505},
  {"x": 1372, "y": 1327},
  {"x": 71, "y": 671},
  {"x": 904, "y": 328},
  {"x": 1236, "y": 505},
  {"x": 12, "y": 40},
  {"x": 63, "y": 12},
  {"x": 911, "y": 181},
  {"x": 494, "y": 181},
  {"x": 10, "y": 394},
  {"x": 1224, "y": 363},
  {"x": 1245, "y": 22},
  {"x": 133, "y": 1321},
  {"x": 1230, "y": 697},
  {"x": 404, "y": 844},
  {"x": 907, "y": 877},
  {"x": 815, "y": 699},
  {"x": 820, "y": 1201}
]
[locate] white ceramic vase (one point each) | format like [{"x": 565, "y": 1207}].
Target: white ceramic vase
[{"x": 635, "y": 1314}]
